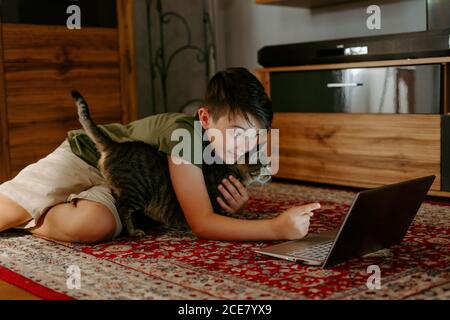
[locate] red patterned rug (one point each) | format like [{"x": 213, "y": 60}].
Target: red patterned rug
[{"x": 172, "y": 265}]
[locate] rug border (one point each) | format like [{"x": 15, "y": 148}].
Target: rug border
[{"x": 31, "y": 286}]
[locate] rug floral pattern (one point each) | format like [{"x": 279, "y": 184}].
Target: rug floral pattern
[{"x": 169, "y": 264}]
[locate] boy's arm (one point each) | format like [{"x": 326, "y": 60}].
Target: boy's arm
[{"x": 191, "y": 192}]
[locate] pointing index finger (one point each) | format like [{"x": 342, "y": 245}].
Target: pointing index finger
[{"x": 309, "y": 207}]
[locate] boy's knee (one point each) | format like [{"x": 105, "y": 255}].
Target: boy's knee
[
  {"x": 11, "y": 213},
  {"x": 95, "y": 223}
]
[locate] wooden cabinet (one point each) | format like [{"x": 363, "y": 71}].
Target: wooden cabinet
[
  {"x": 4, "y": 153},
  {"x": 40, "y": 65},
  {"x": 359, "y": 149}
]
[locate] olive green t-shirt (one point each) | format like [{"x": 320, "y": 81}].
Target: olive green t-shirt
[{"x": 155, "y": 130}]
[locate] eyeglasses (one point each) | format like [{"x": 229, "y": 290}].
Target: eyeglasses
[{"x": 241, "y": 133}]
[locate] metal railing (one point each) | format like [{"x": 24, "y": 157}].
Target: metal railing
[{"x": 161, "y": 61}]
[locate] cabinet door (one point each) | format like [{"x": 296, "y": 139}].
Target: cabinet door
[
  {"x": 359, "y": 150},
  {"x": 43, "y": 63},
  {"x": 399, "y": 89}
]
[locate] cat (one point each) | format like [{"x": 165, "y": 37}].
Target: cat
[{"x": 138, "y": 176}]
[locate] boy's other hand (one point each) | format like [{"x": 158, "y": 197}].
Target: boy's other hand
[
  {"x": 293, "y": 223},
  {"x": 235, "y": 195}
]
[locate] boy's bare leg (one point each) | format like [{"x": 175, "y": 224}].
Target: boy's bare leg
[
  {"x": 11, "y": 214},
  {"x": 83, "y": 221}
]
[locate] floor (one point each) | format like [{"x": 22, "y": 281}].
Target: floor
[{"x": 10, "y": 292}]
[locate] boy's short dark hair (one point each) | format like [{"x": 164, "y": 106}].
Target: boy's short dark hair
[{"x": 237, "y": 91}]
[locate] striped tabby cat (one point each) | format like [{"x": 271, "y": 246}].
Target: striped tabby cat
[{"x": 138, "y": 176}]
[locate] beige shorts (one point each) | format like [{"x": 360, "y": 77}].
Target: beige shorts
[{"x": 59, "y": 177}]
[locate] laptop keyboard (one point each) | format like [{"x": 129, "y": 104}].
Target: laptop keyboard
[{"x": 316, "y": 252}]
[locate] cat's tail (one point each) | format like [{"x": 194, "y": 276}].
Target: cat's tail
[{"x": 101, "y": 140}]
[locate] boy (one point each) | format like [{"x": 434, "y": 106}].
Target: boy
[{"x": 64, "y": 197}]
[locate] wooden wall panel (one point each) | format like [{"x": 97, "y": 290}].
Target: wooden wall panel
[
  {"x": 360, "y": 150},
  {"x": 4, "y": 149},
  {"x": 127, "y": 56},
  {"x": 42, "y": 65}
]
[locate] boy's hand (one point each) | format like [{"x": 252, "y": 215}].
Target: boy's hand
[
  {"x": 235, "y": 194},
  {"x": 293, "y": 223}
]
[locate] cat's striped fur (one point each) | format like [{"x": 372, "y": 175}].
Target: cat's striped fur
[{"x": 138, "y": 176}]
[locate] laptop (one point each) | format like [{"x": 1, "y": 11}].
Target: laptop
[{"x": 377, "y": 219}]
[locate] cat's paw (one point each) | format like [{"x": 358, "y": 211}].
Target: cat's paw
[{"x": 137, "y": 233}]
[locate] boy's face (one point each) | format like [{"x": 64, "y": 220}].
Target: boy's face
[{"x": 238, "y": 135}]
